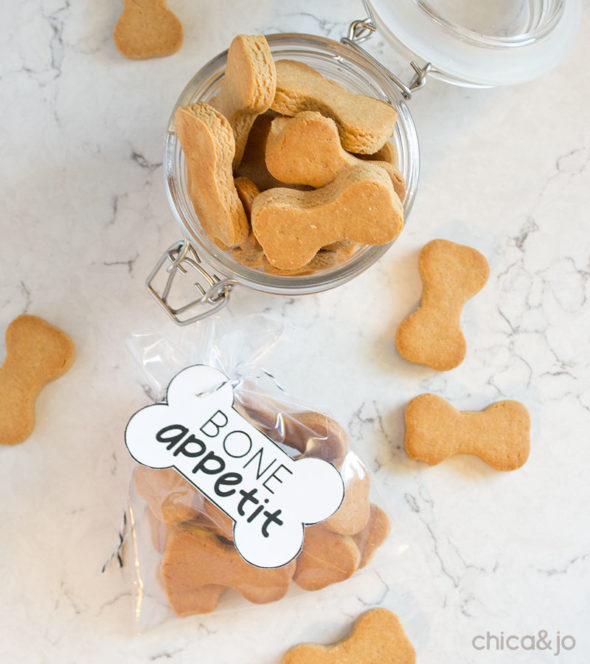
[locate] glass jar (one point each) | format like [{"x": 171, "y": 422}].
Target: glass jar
[{"x": 348, "y": 63}]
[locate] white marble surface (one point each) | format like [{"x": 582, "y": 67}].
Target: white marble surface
[{"x": 84, "y": 216}]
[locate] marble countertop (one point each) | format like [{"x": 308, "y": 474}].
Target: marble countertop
[{"x": 84, "y": 218}]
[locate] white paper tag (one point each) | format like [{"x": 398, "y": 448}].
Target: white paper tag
[{"x": 269, "y": 495}]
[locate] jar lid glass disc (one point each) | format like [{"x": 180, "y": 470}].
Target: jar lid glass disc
[{"x": 481, "y": 42}]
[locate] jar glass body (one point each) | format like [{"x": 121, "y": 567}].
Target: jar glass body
[{"x": 335, "y": 61}]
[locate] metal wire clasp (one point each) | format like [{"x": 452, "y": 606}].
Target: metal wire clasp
[
  {"x": 361, "y": 30},
  {"x": 215, "y": 294}
]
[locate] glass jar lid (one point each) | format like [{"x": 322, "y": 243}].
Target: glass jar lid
[{"x": 481, "y": 42}]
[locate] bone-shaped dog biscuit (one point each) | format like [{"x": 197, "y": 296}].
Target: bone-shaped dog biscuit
[
  {"x": 169, "y": 496},
  {"x": 326, "y": 558},
  {"x": 250, "y": 252},
  {"x": 376, "y": 638},
  {"x": 309, "y": 432},
  {"x": 253, "y": 164},
  {"x": 360, "y": 205},
  {"x": 451, "y": 274},
  {"x": 373, "y": 535},
  {"x": 36, "y": 353},
  {"x": 208, "y": 144},
  {"x": 500, "y": 434},
  {"x": 147, "y": 29},
  {"x": 364, "y": 123},
  {"x": 354, "y": 512},
  {"x": 306, "y": 149},
  {"x": 202, "y": 599},
  {"x": 248, "y": 87},
  {"x": 195, "y": 558}
]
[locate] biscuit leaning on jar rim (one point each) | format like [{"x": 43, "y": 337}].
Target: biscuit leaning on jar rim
[
  {"x": 364, "y": 123},
  {"x": 248, "y": 87},
  {"x": 208, "y": 144}
]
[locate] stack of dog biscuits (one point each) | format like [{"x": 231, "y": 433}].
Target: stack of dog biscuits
[
  {"x": 287, "y": 169},
  {"x": 194, "y": 538}
]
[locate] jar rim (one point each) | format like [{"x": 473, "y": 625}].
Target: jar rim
[{"x": 202, "y": 86}]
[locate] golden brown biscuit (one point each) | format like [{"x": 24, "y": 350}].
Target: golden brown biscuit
[
  {"x": 247, "y": 192},
  {"x": 147, "y": 29},
  {"x": 208, "y": 144},
  {"x": 249, "y": 253},
  {"x": 377, "y": 638},
  {"x": 387, "y": 153},
  {"x": 373, "y": 535},
  {"x": 306, "y": 149},
  {"x": 309, "y": 432},
  {"x": 196, "y": 558},
  {"x": 170, "y": 497},
  {"x": 218, "y": 520},
  {"x": 353, "y": 515},
  {"x": 326, "y": 558},
  {"x": 248, "y": 87},
  {"x": 36, "y": 353},
  {"x": 316, "y": 435},
  {"x": 364, "y": 123},
  {"x": 500, "y": 434},
  {"x": 253, "y": 164},
  {"x": 323, "y": 260},
  {"x": 451, "y": 274},
  {"x": 189, "y": 601},
  {"x": 360, "y": 205}
]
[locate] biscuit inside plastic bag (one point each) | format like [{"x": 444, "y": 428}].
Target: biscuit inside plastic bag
[{"x": 184, "y": 556}]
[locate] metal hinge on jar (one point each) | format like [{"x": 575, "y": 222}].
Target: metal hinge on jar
[
  {"x": 214, "y": 292},
  {"x": 361, "y": 30}
]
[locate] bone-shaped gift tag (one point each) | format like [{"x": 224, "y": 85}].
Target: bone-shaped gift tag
[
  {"x": 269, "y": 496},
  {"x": 500, "y": 434}
]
